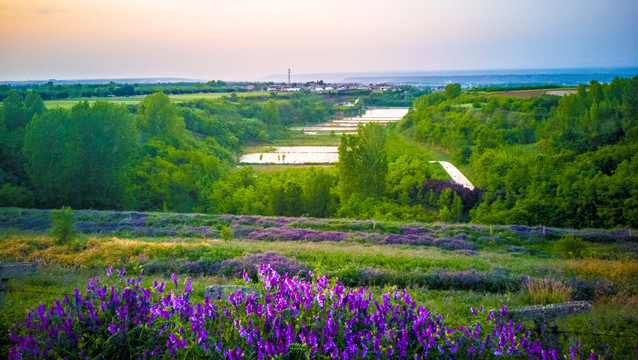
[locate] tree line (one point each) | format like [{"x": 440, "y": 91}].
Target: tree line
[{"x": 163, "y": 157}]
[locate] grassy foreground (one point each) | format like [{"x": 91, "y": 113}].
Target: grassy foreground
[{"x": 446, "y": 268}]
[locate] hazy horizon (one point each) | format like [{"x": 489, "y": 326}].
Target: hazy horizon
[{"x": 251, "y": 39}]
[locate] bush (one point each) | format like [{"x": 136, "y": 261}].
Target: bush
[
  {"x": 16, "y": 196},
  {"x": 571, "y": 247},
  {"x": 227, "y": 233},
  {"x": 62, "y": 228}
]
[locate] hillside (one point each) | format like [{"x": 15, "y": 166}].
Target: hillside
[{"x": 447, "y": 268}]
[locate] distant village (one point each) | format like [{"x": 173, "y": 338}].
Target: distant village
[{"x": 312, "y": 86}]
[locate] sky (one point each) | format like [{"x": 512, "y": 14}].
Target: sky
[{"x": 250, "y": 39}]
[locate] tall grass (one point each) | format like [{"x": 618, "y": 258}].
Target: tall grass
[{"x": 547, "y": 291}]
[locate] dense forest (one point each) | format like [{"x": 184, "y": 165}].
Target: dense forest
[{"x": 569, "y": 161}]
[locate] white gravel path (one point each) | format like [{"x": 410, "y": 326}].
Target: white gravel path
[{"x": 455, "y": 174}]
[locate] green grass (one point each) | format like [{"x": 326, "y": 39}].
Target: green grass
[
  {"x": 134, "y": 100},
  {"x": 300, "y": 139},
  {"x": 258, "y": 149},
  {"x": 404, "y": 144}
]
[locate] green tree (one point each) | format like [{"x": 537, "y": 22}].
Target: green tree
[
  {"x": 317, "y": 193},
  {"x": 363, "y": 164},
  {"x": 79, "y": 157},
  {"x": 48, "y": 159},
  {"x": 32, "y": 105},
  {"x": 13, "y": 110},
  {"x": 456, "y": 210},
  {"x": 270, "y": 113},
  {"x": 158, "y": 118},
  {"x": 452, "y": 91},
  {"x": 63, "y": 221},
  {"x": 104, "y": 137}
]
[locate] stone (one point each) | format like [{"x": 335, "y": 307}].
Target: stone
[
  {"x": 10, "y": 271},
  {"x": 222, "y": 291},
  {"x": 547, "y": 314}
]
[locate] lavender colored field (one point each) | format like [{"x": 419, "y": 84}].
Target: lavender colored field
[{"x": 262, "y": 228}]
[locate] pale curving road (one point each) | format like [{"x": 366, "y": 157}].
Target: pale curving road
[{"x": 455, "y": 174}]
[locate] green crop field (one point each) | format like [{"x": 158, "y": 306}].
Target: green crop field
[{"x": 134, "y": 100}]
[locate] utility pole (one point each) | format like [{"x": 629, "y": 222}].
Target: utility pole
[{"x": 288, "y": 76}]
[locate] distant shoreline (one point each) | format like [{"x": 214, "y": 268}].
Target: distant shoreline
[{"x": 467, "y": 78}]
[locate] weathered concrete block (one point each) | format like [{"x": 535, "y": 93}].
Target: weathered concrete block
[
  {"x": 12, "y": 270},
  {"x": 222, "y": 291}
]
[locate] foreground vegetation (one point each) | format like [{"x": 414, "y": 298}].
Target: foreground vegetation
[{"x": 446, "y": 268}]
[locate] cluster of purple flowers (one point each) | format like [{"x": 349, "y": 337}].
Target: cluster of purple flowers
[
  {"x": 290, "y": 228},
  {"x": 320, "y": 318},
  {"x": 295, "y": 234},
  {"x": 454, "y": 243},
  {"x": 249, "y": 265}
]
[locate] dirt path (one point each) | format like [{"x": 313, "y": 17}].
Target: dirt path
[{"x": 455, "y": 174}]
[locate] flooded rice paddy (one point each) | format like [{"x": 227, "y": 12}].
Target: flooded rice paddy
[
  {"x": 349, "y": 125},
  {"x": 323, "y": 154}
]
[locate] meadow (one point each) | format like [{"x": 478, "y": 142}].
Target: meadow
[{"x": 448, "y": 269}]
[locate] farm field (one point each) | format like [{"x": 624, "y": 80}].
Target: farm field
[
  {"x": 526, "y": 94},
  {"x": 445, "y": 268},
  {"x": 349, "y": 125},
  {"x": 310, "y": 145},
  {"x": 134, "y": 100},
  {"x": 293, "y": 155}
]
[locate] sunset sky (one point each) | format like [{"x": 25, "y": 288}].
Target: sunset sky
[{"x": 250, "y": 39}]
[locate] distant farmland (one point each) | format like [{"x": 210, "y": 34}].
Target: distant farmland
[
  {"x": 534, "y": 93},
  {"x": 134, "y": 100}
]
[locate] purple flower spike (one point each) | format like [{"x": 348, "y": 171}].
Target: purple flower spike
[
  {"x": 110, "y": 272},
  {"x": 245, "y": 276},
  {"x": 174, "y": 277},
  {"x": 122, "y": 271},
  {"x": 113, "y": 329}
]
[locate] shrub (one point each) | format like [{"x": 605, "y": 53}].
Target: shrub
[
  {"x": 62, "y": 226},
  {"x": 547, "y": 291},
  {"x": 227, "y": 233},
  {"x": 571, "y": 247},
  {"x": 16, "y": 196}
]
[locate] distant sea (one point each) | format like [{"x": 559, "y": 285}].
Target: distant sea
[{"x": 472, "y": 78}]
